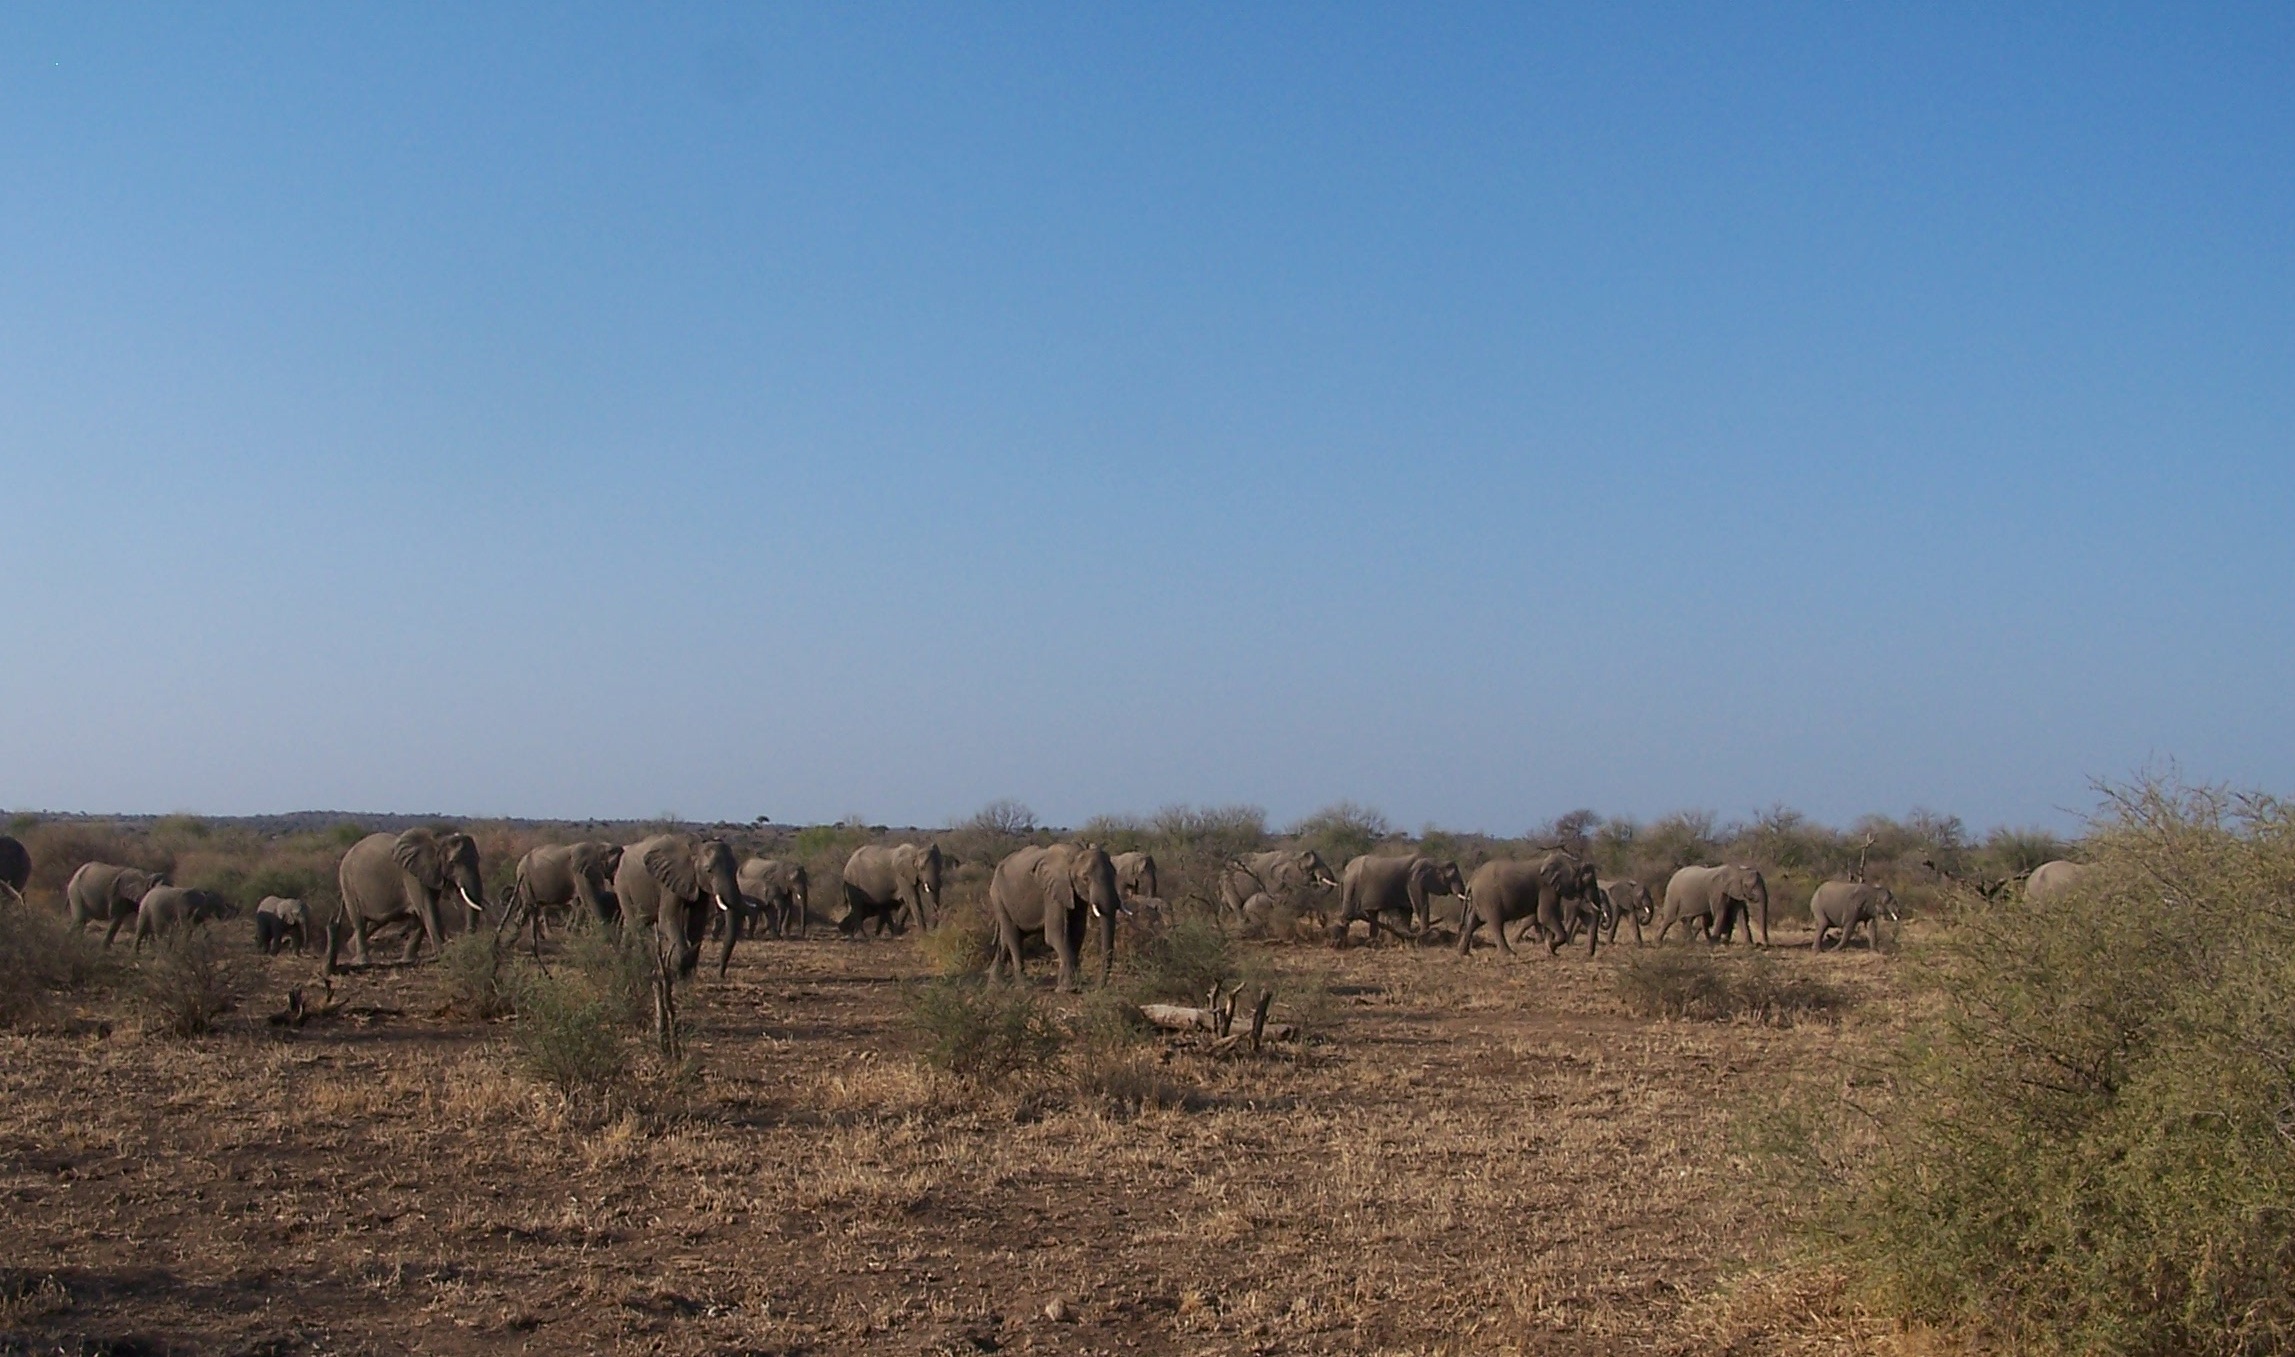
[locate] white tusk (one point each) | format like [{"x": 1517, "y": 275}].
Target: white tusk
[{"x": 470, "y": 902}]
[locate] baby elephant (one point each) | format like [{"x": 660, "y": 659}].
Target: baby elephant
[
  {"x": 175, "y": 909},
  {"x": 279, "y": 921},
  {"x": 1846, "y": 905}
]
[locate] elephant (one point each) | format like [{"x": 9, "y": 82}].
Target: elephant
[
  {"x": 781, "y": 890},
  {"x": 1845, "y": 905},
  {"x": 1373, "y": 887},
  {"x": 1135, "y": 874},
  {"x": 1285, "y": 874},
  {"x": 1558, "y": 892},
  {"x": 1716, "y": 896},
  {"x": 1055, "y": 891},
  {"x": 15, "y": 867},
  {"x": 669, "y": 883},
  {"x": 168, "y": 910},
  {"x": 884, "y": 881},
  {"x": 1626, "y": 901},
  {"x": 278, "y": 921},
  {"x": 390, "y": 877},
  {"x": 2051, "y": 879},
  {"x": 557, "y": 876},
  {"x": 107, "y": 892}
]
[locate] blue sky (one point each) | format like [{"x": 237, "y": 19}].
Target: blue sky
[{"x": 1475, "y": 412}]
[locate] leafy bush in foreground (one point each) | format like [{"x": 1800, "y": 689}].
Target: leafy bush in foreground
[{"x": 2090, "y": 1147}]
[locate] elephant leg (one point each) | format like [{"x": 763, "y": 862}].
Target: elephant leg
[
  {"x": 358, "y": 940},
  {"x": 1468, "y": 919},
  {"x": 1061, "y": 934},
  {"x": 114, "y": 930},
  {"x": 1007, "y": 947}
]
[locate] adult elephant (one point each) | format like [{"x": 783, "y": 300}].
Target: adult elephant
[
  {"x": 166, "y": 911},
  {"x": 883, "y": 882},
  {"x": 107, "y": 892},
  {"x": 1623, "y": 902},
  {"x": 1373, "y": 887},
  {"x": 1846, "y": 906},
  {"x": 386, "y": 878},
  {"x": 672, "y": 884},
  {"x": 2051, "y": 879},
  {"x": 1715, "y": 897},
  {"x": 15, "y": 866},
  {"x": 1557, "y": 890},
  {"x": 779, "y": 890},
  {"x": 1285, "y": 874},
  {"x": 1054, "y": 891},
  {"x": 1135, "y": 874},
  {"x": 558, "y": 876}
]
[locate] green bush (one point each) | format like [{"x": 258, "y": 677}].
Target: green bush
[
  {"x": 2090, "y": 1144},
  {"x": 473, "y": 977},
  {"x": 573, "y": 1037},
  {"x": 184, "y": 987},
  {"x": 1181, "y": 963},
  {"x": 962, "y": 943},
  {"x": 983, "y": 1033},
  {"x": 616, "y": 965},
  {"x": 1693, "y": 983}
]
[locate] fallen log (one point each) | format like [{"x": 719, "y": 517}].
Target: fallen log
[{"x": 1218, "y": 1018}]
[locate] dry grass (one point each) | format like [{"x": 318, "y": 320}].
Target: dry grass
[{"x": 1479, "y": 1156}]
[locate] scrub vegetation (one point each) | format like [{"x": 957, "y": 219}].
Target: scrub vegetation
[{"x": 2064, "y": 1125}]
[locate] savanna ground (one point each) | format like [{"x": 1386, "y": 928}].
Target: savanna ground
[{"x": 1478, "y": 1155}]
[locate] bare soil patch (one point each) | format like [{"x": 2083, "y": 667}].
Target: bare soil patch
[{"x": 1483, "y": 1155}]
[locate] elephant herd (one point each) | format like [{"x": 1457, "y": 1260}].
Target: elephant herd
[{"x": 687, "y": 888}]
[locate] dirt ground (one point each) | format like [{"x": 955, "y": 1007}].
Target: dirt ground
[{"x": 1483, "y": 1155}]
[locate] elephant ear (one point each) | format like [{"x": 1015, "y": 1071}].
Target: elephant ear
[
  {"x": 1054, "y": 875},
  {"x": 417, "y": 852},
  {"x": 671, "y": 863},
  {"x": 611, "y": 858}
]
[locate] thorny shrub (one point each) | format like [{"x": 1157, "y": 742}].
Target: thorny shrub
[
  {"x": 962, "y": 943},
  {"x": 1692, "y": 983},
  {"x": 982, "y": 1033},
  {"x": 184, "y": 987},
  {"x": 474, "y": 978},
  {"x": 41, "y": 958},
  {"x": 2089, "y": 1143}
]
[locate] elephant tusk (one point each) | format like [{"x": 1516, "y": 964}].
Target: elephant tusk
[{"x": 470, "y": 902}]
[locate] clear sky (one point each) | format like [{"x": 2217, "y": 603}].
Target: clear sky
[{"x": 1473, "y": 411}]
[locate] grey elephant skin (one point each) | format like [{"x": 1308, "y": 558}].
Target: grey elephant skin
[
  {"x": 1557, "y": 890},
  {"x": 280, "y": 920},
  {"x": 107, "y": 892},
  {"x": 893, "y": 885},
  {"x": 166, "y": 911},
  {"x": 15, "y": 866},
  {"x": 2051, "y": 879},
  {"x": 673, "y": 884},
  {"x": 1625, "y": 901},
  {"x": 1715, "y": 897},
  {"x": 779, "y": 891},
  {"x": 1135, "y": 875},
  {"x": 386, "y": 878},
  {"x": 1373, "y": 887},
  {"x": 1846, "y": 906},
  {"x": 557, "y": 877},
  {"x": 1054, "y": 891},
  {"x": 1286, "y": 874}
]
